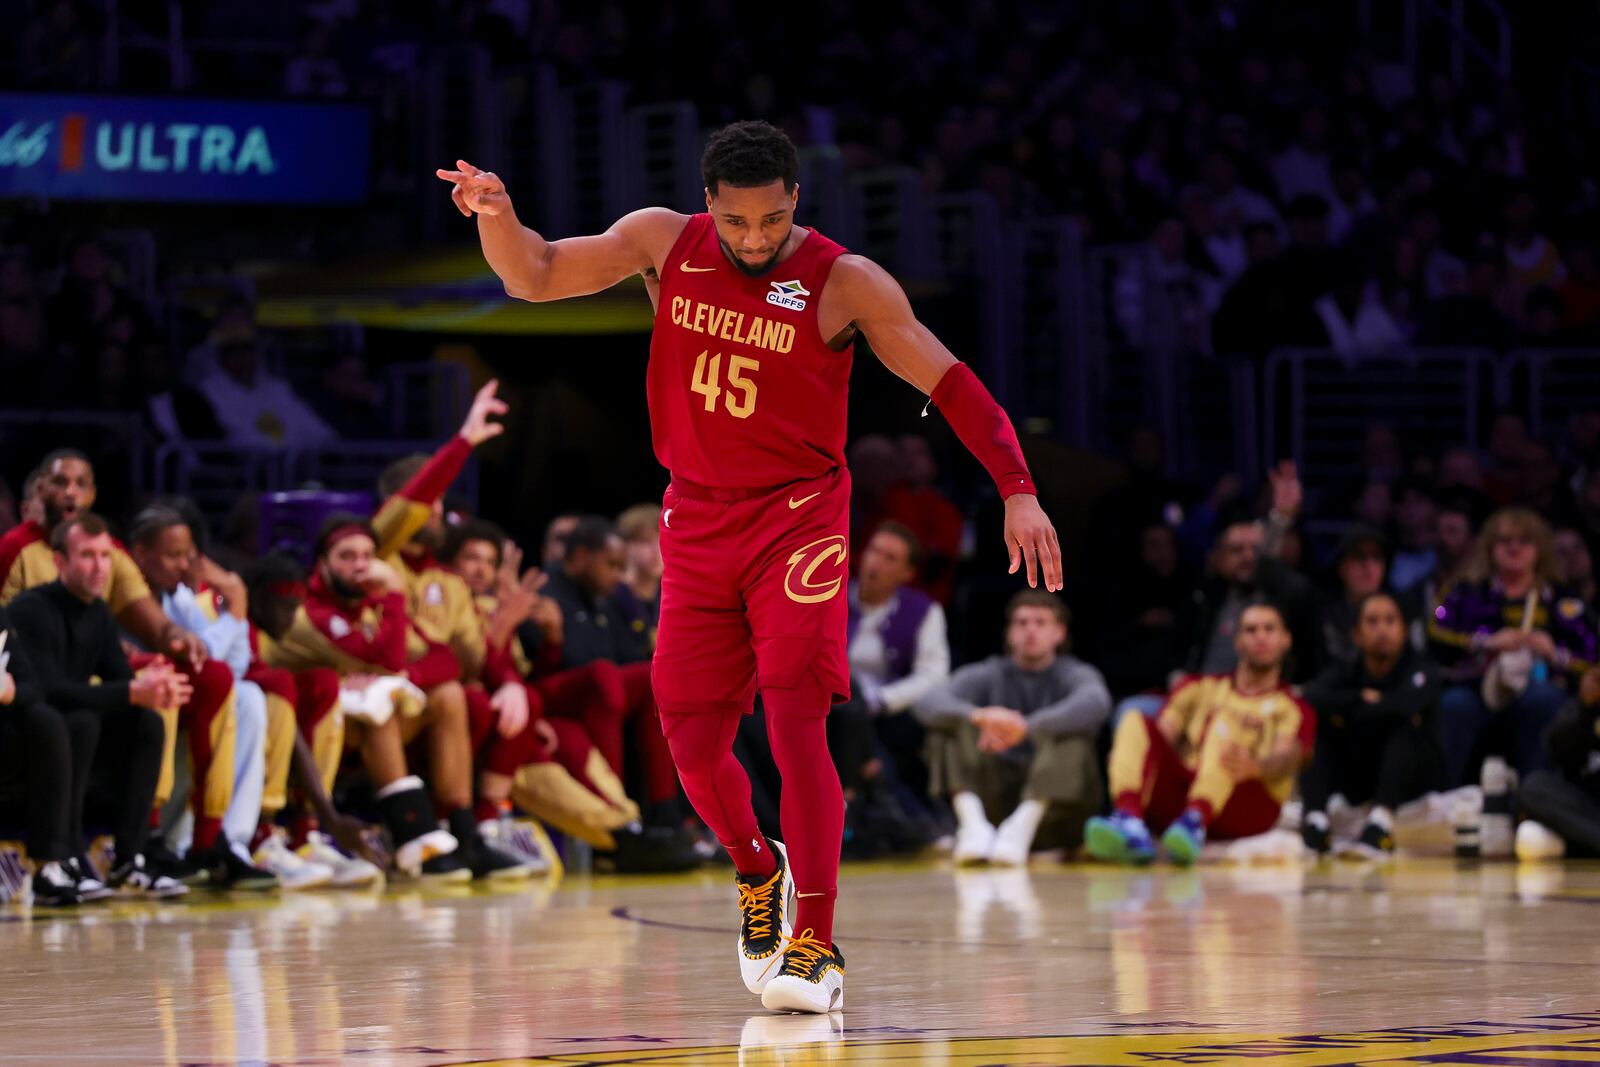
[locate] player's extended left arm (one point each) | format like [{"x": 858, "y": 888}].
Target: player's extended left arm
[{"x": 879, "y": 308}]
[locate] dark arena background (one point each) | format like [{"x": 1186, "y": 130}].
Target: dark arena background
[{"x": 1295, "y": 308}]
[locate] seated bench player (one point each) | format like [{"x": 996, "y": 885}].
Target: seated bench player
[
  {"x": 1219, "y": 760},
  {"x": 65, "y": 487},
  {"x": 577, "y": 791}
]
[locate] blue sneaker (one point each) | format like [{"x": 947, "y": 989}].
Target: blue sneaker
[
  {"x": 1184, "y": 839},
  {"x": 1121, "y": 838}
]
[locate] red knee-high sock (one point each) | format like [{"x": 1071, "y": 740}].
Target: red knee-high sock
[
  {"x": 812, "y": 811},
  {"x": 702, "y": 746}
]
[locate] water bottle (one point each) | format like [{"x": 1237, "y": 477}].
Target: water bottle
[
  {"x": 1496, "y": 832},
  {"x": 1466, "y": 818}
]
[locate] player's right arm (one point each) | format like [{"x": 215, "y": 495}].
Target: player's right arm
[{"x": 535, "y": 269}]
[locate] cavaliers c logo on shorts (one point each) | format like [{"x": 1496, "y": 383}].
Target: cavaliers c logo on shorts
[{"x": 803, "y": 583}]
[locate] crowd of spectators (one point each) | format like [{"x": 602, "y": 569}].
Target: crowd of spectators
[
  {"x": 1371, "y": 638},
  {"x": 75, "y": 334},
  {"x": 1283, "y": 183},
  {"x": 420, "y": 674}
]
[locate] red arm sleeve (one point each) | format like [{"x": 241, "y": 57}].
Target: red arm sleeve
[
  {"x": 984, "y": 428},
  {"x": 403, "y": 514}
]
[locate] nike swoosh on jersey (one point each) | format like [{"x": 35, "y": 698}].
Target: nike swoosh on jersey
[
  {"x": 793, "y": 503},
  {"x": 684, "y": 266}
]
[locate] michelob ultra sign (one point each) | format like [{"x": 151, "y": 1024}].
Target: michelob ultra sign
[{"x": 80, "y": 147}]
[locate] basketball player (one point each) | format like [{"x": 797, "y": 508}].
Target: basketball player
[{"x": 749, "y": 367}]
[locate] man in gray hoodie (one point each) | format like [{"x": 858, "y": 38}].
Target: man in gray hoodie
[{"x": 1014, "y": 736}]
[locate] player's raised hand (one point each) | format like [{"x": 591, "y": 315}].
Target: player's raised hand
[
  {"x": 475, "y": 191},
  {"x": 506, "y": 578},
  {"x": 477, "y": 428},
  {"x": 1031, "y": 540}
]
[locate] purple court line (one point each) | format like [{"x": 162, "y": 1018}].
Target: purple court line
[{"x": 626, "y": 915}]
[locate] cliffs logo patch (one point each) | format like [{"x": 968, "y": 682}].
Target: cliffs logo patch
[
  {"x": 804, "y": 584},
  {"x": 1569, "y": 608},
  {"x": 788, "y": 294}
]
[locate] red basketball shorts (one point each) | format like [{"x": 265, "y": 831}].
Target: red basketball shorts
[{"x": 753, "y": 594}]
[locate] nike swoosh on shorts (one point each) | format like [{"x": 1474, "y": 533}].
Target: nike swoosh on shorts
[{"x": 793, "y": 503}]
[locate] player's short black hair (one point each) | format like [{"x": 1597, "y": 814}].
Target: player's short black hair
[
  {"x": 272, "y": 569},
  {"x": 749, "y": 154},
  {"x": 397, "y": 474},
  {"x": 472, "y": 530},
  {"x": 1261, "y": 600},
  {"x": 149, "y": 523},
  {"x": 193, "y": 517},
  {"x": 52, "y": 458}
]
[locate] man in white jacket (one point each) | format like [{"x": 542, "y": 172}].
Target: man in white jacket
[
  {"x": 255, "y": 408},
  {"x": 162, "y": 544}
]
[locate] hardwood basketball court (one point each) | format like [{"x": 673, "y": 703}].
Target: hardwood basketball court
[{"x": 1421, "y": 962}]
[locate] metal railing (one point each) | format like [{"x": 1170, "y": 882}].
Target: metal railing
[
  {"x": 661, "y": 156},
  {"x": 1317, "y": 404},
  {"x": 1549, "y": 384},
  {"x": 1469, "y": 38},
  {"x": 215, "y": 474},
  {"x": 116, "y": 441}
]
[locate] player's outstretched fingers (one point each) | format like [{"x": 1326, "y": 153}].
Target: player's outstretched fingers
[
  {"x": 1014, "y": 550},
  {"x": 1051, "y": 551},
  {"x": 1030, "y": 553}
]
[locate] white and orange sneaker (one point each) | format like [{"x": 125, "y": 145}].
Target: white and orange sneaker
[
  {"x": 766, "y": 918},
  {"x": 811, "y": 978}
]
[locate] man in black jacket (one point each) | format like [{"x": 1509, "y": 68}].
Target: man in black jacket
[
  {"x": 1563, "y": 803},
  {"x": 1240, "y": 571},
  {"x": 595, "y": 627},
  {"x": 73, "y": 644},
  {"x": 1376, "y": 721},
  {"x": 36, "y": 750}
]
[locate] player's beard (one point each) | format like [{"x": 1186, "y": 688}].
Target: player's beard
[
  {"x": 53, "y": 514},
  {"x": 745, "y": 268},
  {"x": 345, "y": 590}
]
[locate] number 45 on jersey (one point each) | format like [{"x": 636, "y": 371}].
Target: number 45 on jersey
[{"x": 739, "y": 397}]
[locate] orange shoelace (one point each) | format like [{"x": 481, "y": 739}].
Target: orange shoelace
[
  {"x": 755, "y": 901},
  {"x": 800, "y": 954}
]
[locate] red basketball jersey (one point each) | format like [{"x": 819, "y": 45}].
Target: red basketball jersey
[{"x": 744, "y": 391}]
